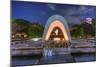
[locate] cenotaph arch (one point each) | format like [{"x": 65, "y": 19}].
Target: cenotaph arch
[{"x": 56, "y": 28}]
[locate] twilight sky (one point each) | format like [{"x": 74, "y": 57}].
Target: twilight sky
[{"x": 40, "y": 12}]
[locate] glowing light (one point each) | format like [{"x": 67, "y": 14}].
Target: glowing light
[
  {"x": 56, "y": 39},
  {"x": 56, "y": 31},
  {"x": 58, "y": 24},
  {"x": 35, "y": 39}
]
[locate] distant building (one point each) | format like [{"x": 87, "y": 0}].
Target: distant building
[
  {"x": 87, "y": 20},
  {"x": 19, "y": 35}
]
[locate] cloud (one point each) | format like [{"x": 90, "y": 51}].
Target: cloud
[
  {"x": 52, "y": 6},
  {"x": 71, "y": 19},
  {"x": 75, "y": 14}
]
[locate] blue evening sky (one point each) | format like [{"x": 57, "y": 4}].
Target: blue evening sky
[{"x": 40, "y": 12}]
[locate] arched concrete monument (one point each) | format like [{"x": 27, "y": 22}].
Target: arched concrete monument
[{"x": 59, "y": 22}]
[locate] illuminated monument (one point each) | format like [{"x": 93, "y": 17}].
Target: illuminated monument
[{"x": 56, "y": 28}]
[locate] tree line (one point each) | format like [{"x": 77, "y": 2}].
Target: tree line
[
  {"x": 84, "y": 30},
  {"x": 35, "y": 29},
  {"x": 31, "y": 29}
]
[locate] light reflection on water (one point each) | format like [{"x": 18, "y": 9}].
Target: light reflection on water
[{"x": 33, "y": 60}]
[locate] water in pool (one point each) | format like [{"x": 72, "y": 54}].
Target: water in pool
[{"x": 39, "y": 59}]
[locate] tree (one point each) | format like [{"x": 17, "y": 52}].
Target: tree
[
  {"x": 77, "y": 31},
  {"x": 89, "y": 29},
  {"x": 37, "y": 29},
  {"x": 31, "y": 29},
  {"x": 84, "y": 29},
  {"x": 19, "y": 25},
  {"x": 94, "y": 27}
]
